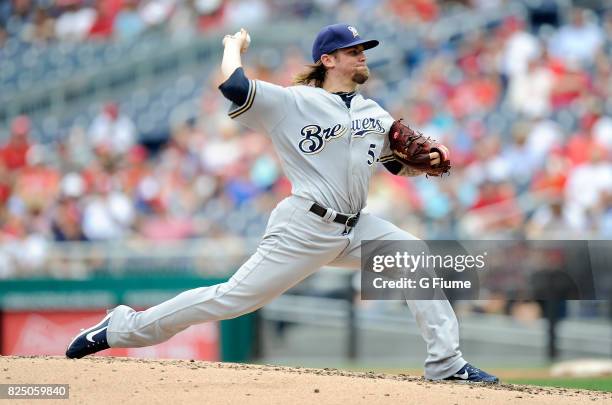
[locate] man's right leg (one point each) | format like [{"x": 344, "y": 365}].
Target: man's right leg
[
  {"x": 295, "y": 246},
  {"x": 435, "y": 318}
]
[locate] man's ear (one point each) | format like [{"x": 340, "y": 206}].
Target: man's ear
[{"x": 328, "y": 60}]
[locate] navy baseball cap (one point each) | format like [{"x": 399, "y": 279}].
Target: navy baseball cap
[{"x": 338, "y": 36}]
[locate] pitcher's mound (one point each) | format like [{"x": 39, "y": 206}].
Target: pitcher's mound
[{"x": 109, "y": 380}]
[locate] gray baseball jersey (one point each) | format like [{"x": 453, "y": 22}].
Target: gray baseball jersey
[{"x": 328, "y": 151}]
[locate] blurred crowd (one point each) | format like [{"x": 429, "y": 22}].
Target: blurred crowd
[
  {"x": 527, "y": 115},
  {"x": 524, "y": 109},
  {"x": 41, "y": 22}
]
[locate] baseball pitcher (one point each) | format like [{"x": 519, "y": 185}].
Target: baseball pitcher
[{"x": 329, "y": 139}]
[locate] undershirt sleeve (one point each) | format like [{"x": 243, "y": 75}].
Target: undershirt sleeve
[
  {"x": 393, "y": 166},
  {"x": 236, "y": 87},
  {"x": 398, "y": 168}
]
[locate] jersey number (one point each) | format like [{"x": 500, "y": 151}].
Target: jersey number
[{"x": 371, "y": 155}]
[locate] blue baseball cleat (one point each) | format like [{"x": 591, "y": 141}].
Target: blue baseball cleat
[
  {"x": 90, "y": 340},
  {"x": 469, "y": 373}
]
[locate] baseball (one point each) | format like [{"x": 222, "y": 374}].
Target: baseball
[{"x": 246, "y": 44}]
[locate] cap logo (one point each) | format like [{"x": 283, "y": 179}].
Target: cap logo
[{"x": 353, "y": 30}]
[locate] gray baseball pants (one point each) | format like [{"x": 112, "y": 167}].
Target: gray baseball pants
[{"x": 295, "y": 245}]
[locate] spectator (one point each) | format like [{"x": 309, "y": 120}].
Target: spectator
[
  {"x": 14, "y": 153},
  {"x": 66, "y": 224},
  {"x": 489, "y": 164},
  {"x": 112, "y": 131},
  {"x": 19, "y": 16},
  {"x": 182, "y": 22},
  {"x": 569, "y": 82},
  {"x": 67, "y": 220},
  {"x": 530, "y": 90},
  {"x": 102, "y": 27},
  {"x": 75, "y": 21},
  {"x": 489, "y": 194},
  {"x": 580, "y": 146},
  {"x": 520, "y": 49},
  {"x": 77, "y": 151},
  {"x": 6, "y": 185},
  {"x": 520, "y": 160},
  {"x": 552, "y": 178},
  {"x": 501, "y": 215},
  {"x": 578, "y": 41},
  {"x": 476, "y": 94},
  {"x": 37, "y": 184},
  {"x": 156, "y": 12},
  {"x": 221, "y": 153},
  {"x": 138, "y": 166},
  {"x": 210, "y": 14},
  {"x": 41, "y": 29},
  {"x": 585, "y": 187},
  {"x": 107, "y": 215},
  {"x": 164, "y": 226},
  {"x": 545, "y": 135},
  {"x": 128, "y": 23},
  {"x": 550, "y": 221},
  {"x": 602, "y": 132}
]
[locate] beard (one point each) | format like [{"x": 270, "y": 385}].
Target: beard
[{"x": 361, "y": 76}]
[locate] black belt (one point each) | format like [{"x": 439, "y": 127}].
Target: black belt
[{"x": 346, "y": 220}]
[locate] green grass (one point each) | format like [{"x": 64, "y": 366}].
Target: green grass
[{"x": 596, "y": 384}]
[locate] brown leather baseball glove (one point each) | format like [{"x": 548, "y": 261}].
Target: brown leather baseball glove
[{"x": 416, "y": 151}]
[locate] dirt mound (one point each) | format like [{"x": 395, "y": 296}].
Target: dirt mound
[{"x": 107, "y": 380}]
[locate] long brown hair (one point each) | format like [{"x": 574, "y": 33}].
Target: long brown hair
[{"x": 313, "y": 74}]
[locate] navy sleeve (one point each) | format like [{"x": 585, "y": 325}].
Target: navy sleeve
[
  {"x": 393, "y": 166},
  {"x": 236, "y": 88}
]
